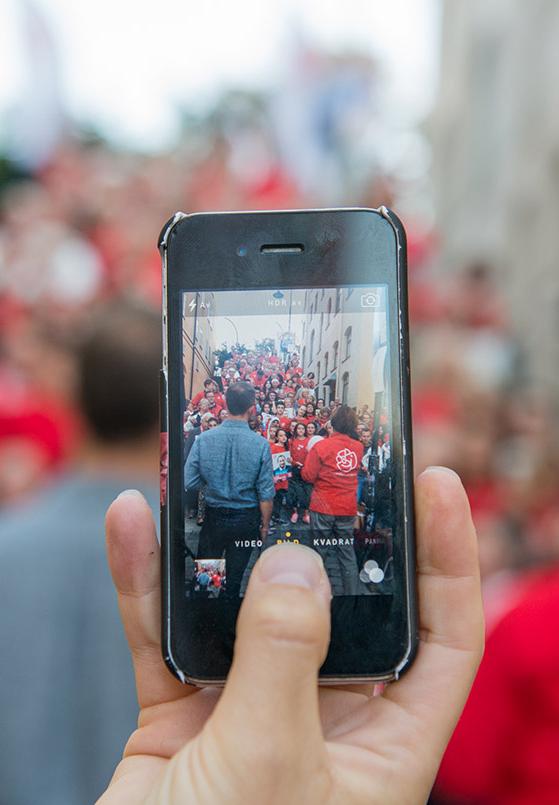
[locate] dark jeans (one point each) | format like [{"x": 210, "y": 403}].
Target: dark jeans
[
  {"x": 278, "y": 504},
  {"x": 339, "y": 559},
  {"x": 298, "y": 492},
  {"x": 222, "y": 528}
]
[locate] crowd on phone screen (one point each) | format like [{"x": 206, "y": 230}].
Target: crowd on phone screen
[
  {"x": 209, "y": 579},
  {"x": 292, "y": 416}
]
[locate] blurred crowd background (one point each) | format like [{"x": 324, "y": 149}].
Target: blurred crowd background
[{"x": 472, "y": 171}]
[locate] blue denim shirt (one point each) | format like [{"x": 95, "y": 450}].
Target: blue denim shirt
[{"x": 234, "y": 463}]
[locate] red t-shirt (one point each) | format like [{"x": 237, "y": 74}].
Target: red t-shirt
[
  {"x": 285, "y": 423},
  {"x": 257, "y": 381},
  {"x": 332, "y": 467},
  {"x": 505, "y": 748},
  {"x": 298, "y": 450},
  {"x": 218, "y": 398}
]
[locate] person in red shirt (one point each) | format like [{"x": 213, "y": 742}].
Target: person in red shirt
[
  {"x": 505, "y": 748},
  {"x": 284, "y": 421},
  {"x": 258, "y": 378},
  {"x": 298, "y": 492},
  {"x": 214, "y": 406},
  {"x": 332, "y": 466},
  {"x": 302, "y": 415},
  {"x": 209, "y": 385},
  {"x": 282, "y": 474}
]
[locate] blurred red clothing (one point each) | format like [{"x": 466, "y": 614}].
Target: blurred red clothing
[
  {"x": 285, "y": 423},
  {"x": 218, "y": 397},
  {"x": 505, "y": 750},
  {"x": 298, "y": 450}
]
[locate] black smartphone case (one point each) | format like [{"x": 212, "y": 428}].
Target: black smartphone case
[{"x": 392, "y": 674}]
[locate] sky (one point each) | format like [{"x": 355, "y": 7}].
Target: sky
[{"x": 125, "y": 66}]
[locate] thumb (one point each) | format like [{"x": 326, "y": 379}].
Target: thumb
[{"x": 269, "y": 708}]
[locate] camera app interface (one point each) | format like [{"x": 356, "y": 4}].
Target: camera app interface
[{"x": 287, "y": 434}]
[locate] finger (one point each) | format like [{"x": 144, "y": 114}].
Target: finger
[
  {"x": 431, "y": 696},
  {"x": 282, "y": 638},
  {"x": 133, "y": 554}
]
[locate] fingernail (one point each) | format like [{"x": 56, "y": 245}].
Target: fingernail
[
  {"x": 291, "y": 564},
  {"x": 133, "y": 492},
  {"x": 436, "y": 468}
]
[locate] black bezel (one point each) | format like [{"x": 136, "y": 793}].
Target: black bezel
[{"x": 373, "y": 637}]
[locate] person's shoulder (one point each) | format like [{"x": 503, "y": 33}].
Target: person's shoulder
[
  {"x": 213, "y": 434},
  {"x": 257, "y": 439},
  {"x": 23, "y": 519}
]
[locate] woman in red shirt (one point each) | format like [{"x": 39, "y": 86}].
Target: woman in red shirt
[
  {"x": 331, "y": 466},
  {"x": 298, "y": 492},
  {"x": 282, "y": 473}
]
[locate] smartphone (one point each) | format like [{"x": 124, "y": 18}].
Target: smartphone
[{"x": 285, "y": 395}]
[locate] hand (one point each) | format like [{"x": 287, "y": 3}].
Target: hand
[
  {"x": 272, "y": 736},
  {"x": 264, "y": 532}
]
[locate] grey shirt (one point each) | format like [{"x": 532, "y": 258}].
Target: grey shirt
[
  {"x": 234, "y": 463},
  {"x": 67, "y": 695}
]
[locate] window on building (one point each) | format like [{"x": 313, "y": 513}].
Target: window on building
[
  {"x": 338, "y": 300},
  {"x": 345, "y": 387},
  {"x": 311, "y": 348},
  {"x": 320, "y": 331},
  {"x": 317, "y": 374},
  {"x": 328, "y": 312},
  {"x": 335, "y": 359},
  {"x": 347, "y": 337},
  {"x": 311, "y": 311},
  {"x": 326, "y": 365}
]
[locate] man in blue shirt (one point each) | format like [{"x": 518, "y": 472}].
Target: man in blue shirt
[{"x": 235, "y": 465}]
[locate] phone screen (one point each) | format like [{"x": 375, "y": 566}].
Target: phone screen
[{"x": 316, "y": 442}]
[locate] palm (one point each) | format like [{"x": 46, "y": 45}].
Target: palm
[{"x": 382, "y": 749}]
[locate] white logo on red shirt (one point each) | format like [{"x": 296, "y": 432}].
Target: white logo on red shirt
[{"x": 346, "y": 460}]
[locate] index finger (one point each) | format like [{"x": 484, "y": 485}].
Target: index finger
[{"x": 133, "y": 554}]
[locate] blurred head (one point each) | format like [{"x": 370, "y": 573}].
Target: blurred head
[
  {"x": 345, "y": 421},
  {"x": 205, "y": 421},
  {"x": 300, "y": 431},
  {"x": 118, "y": 365},
  {"x": 240, "y": 398},
  {"x": 311, "y": 429},
  {"x": 281, "y": 436}
]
